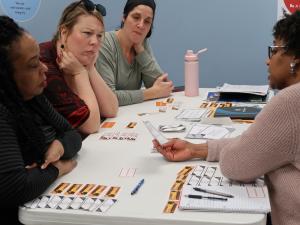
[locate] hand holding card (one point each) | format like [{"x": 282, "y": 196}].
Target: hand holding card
[{"x": 155, "y": 133}]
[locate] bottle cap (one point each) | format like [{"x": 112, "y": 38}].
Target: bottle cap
[{"x": 190, "y": 56}]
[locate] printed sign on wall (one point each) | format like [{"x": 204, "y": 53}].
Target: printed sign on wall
[
  {"x": 20, "y": 10},
  {"x": 288, "y": 6}
]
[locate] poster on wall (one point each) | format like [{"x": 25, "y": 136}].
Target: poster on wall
[
  {"x": 287, "y": 6},
  {"x": 20, "y": 10}
]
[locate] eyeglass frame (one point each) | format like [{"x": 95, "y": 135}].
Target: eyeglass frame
[
  {"x": 272, "y": 48},
  {"x": 89, "y": 6}
]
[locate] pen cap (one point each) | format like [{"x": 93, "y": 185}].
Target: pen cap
[{"x": 191, "y": 74}]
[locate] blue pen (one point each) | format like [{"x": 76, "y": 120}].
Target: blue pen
[{"x": 137, "y": 187}]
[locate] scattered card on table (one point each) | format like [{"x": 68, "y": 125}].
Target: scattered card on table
[
  {"x": 60, "y": 188},
  {"x": 73, "y": 189},
  {"x": 112, "y": 192},
  {"x": 131, "y": 125},
  {"x": 170, "y": 100},
  {"x": 160, "y": 103},
  {"x": 170, "y": 207},
  {"x": 86, "y": 189},
  {"x": 174, "y": 196},
  {"x": 108, "y": 124},
  {"x": 98, "y": 190}
]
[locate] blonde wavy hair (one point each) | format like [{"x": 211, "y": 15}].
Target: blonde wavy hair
[{"x": 70, "y": 16}]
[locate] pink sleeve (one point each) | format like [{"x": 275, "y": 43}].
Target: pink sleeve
[{"x": 268, "y": 144}]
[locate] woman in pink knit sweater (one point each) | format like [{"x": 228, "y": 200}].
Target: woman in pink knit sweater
[{"x": 271, "y": 146}]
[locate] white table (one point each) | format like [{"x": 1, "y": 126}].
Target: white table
[{"x": 100, "y": 162}]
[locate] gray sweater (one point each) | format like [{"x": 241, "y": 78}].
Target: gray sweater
[
  {"x": 123, "y": 78},
  {"x": 270, "y": 146}
]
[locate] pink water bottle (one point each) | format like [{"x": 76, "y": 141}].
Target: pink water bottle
[{"x": 191, "y": 73}]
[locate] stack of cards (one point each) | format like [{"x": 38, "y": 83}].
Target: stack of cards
[
  {"x": 88, "y": 197},
  {"x": 176, "y": 188}
]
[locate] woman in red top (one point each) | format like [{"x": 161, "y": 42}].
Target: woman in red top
[{"x": 74, "y": 86}]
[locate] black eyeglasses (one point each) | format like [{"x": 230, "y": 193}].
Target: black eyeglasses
[
  {"x": 90, "y": 6},
  {"x": 273, "y": 49}
]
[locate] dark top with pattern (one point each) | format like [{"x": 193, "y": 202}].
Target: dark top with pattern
[
  {"x": 64, "y": 100},
  {"x": 18, "y": 184}
]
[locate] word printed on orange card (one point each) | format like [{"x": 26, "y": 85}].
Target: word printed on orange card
[
  {"x": 185, "y": 171},
  {"x": 225, "y": 104},
  {"x": 182, "y": 177},
  {"x": 127, "y": 172},
  {"x": 170, "y": 100},
  {"x": 112, "y": 192},
  {"x": 98, "y": 190},
  {"x": 73, "y": 189},
  {"x": 108, "y": 124},
  {"x": 60, "y": 188},
  {"x": 162, "y": 106},
  {"x": 86, "y": 189},
  {"x": 131, "y": 125},
  {"x": 204, "y": 105},
  {"x": 170, "y": 207},
  {"x": 177, "y": 186},
  {"x": 215, "y": 104},
  {"x": 160, "y": 103},
  {"x": 174, "y": 196}
]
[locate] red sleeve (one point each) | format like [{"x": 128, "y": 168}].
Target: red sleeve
[{"x": 58, "y": 93}]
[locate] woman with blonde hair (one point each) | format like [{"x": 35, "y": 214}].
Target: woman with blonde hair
[{"x": 75, "y": 88}]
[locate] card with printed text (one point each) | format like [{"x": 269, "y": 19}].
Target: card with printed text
[{"x": 108, "y": 124}]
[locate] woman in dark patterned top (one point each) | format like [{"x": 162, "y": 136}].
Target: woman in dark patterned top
[
  {"x": 36, "y": 143},
  {"x": 75, "y": 88}
]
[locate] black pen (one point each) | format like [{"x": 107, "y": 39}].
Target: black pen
[
  {"x": 213, "y": 192},
  {"x": 206, "y": 197}
]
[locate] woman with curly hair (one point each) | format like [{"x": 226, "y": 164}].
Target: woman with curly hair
[
  {"x": 271, "y": 146},
  {"x": 36, "y": 143}
]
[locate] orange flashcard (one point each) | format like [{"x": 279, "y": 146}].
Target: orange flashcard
[{"x": 108, "y": 124}]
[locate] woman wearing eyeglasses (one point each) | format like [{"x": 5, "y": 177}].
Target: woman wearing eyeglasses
[
  {"x": 75, "y": 88},
  {"x": 36, "y": 143},
  {"x": 271, "y": 146},
  {"x": 126, "y": 60}
]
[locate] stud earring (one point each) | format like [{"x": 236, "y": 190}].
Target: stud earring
[{"x": 292, "y": 68}]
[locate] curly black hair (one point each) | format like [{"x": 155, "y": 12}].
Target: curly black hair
[
  {"x": 288, "y": 30},
  {"x": 10, "y": 97}
]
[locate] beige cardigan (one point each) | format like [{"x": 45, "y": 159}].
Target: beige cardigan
[{"x": 270, "y": 146}]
